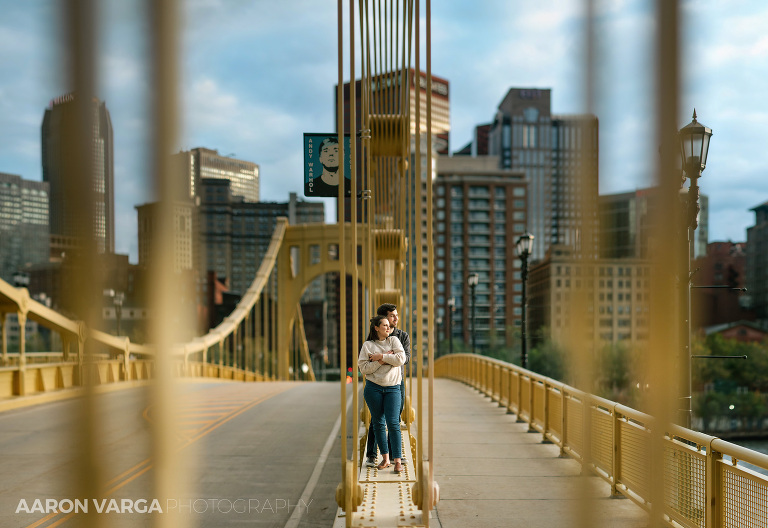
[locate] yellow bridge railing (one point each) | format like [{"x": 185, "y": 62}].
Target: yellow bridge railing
[
  {"x": 705, "y": 481},
  {"x": 243, "y": 347}
]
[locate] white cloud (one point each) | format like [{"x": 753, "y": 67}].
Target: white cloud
[
  {"x": 262, "y": 133},
  {"x": 256, "y": 75}
]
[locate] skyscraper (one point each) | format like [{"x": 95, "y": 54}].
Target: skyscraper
[
  {"x": 384, "y": 102},
  {"x": 24, "y": 235},
  {"x": 627, "y": 224},
  {"x": 236, "y": 234},
  {"x": 199, "y": 163},
  {"x": 480, "y": 211},
  {"x": 552, "y": 151},
  {"x": 757, "y": 261},
  {"x": 184, "y": 235},
  {"x": 58, "y": 143}
]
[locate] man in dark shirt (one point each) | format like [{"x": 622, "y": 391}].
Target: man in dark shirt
[{"x": 390, "y": 312}]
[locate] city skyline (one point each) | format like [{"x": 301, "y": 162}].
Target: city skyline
[{"x": 241, "y": 99}]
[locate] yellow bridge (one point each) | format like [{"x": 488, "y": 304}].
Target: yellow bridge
[{"x": 160, "y": 434}]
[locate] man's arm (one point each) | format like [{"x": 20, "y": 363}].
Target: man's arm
[{"x": 405, "y": 339}]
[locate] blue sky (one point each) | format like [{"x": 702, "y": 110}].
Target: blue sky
[{"x": 257, "y": 74}]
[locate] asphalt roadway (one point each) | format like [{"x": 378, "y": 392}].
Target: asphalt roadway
[
  {"x": 269, "y": 454},
  {"x": 249, "y": 454}
]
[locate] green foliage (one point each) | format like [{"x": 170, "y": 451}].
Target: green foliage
[
  {"x": 751, "y": 373},
  {"x": 547, "y": 358},
  {"x": 459, "y": 347},
  {"x": 619, "y": 373},
  {"x": 614, "y": 372},
  {"x": 709, "y": 406},
  {"x": 498, "y": 349},
  {"x": 719, "y": 384}
]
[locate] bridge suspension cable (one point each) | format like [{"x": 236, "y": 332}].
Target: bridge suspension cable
[{"x": 389, "y": 125}]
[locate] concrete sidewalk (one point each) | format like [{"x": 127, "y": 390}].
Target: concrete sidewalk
[{"x": 493, "y": 473}]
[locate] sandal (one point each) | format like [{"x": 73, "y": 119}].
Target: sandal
[
  {"x": 398, "y": 467},
  {"x": 383, "y": 465}
]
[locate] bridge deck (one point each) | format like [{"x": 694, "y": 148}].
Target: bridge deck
[{"x": 493, "y": 472}]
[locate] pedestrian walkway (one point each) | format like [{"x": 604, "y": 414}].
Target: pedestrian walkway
[{"x": 493, "y": 473}]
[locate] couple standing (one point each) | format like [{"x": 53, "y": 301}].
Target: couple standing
[{"x": 381, "y": 359}]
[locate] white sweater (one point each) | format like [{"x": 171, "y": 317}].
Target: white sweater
[{"x": 389, "y": 373}]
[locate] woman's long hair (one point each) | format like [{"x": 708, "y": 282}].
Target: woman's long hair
[{"x": 376, "y": 320}]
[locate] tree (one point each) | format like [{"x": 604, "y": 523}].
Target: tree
[
  {"x": 547, "y": 358},
  {"x": 613, "y": 372},
  {"x": 709, "y": 406}
]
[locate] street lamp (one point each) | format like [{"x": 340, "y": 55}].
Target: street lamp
[
  {"x": 21, "y": 279},
  {"x": 694, "y": 147},
  {"x": 451, "y": 308},
  {"x": 472, "y": 281},
  {"x": 523, "y": 248},
  {"x": 117, "y": 300},
  {"x": 438, "y": 324}
]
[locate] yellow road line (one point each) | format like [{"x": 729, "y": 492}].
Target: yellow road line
[
  {"x": 137, "y": 467},
  {"x": 236, "y": 414},
  {"x": 63, "y": 519},
  {"x": 129, "y": 471}
]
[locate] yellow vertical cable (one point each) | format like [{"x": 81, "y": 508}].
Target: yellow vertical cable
[
  {"x": 273, "y": 305},
  {"x": 366, "y": 157},
  {"x": 366, "y": 117},
  {"x": 80, "y": 30},
  {"x": 245, "y": 342},
  {"x": 418, "y": 340},
  {"x": 379, "y": 63},
  {"x": 260, "y": 335},
  {"x": 263, "y": 311},
  {"x": 585, "y": 253},
  {"x": 342, "y": 251},
  {"x": 389, "y": 71},
  {"x": 251, "y": 340},
  {"x": 252, "y": 327},
  {"x": 164, "y": 282},
  {"x": 235, "y": 344},
  {"x": 354, "y": 222},
  {"x": 430, "y": 259},
  {"x": 665, "y": 315},
  {"x": 399, "y": 190},
  {"x": 406, "y": 214}
]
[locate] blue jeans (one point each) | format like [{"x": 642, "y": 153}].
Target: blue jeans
[
  {"x": 384, "y": 404},
  {"x": 370, "y": 448}
]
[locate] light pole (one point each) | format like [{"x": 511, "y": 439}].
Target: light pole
[
  {"x": 694, "y": 146},
  {"x": 472, "y": 280},
  {"x": 451, "y": 308},
  {"x": 438, "y": 324},
  {"x": 117, "y": 300},
  {"x": 523, "y": 247},
  {"x": 21, "y": 279}
]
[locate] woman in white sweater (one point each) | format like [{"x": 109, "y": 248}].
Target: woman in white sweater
[{"x": 380, "y": 359}]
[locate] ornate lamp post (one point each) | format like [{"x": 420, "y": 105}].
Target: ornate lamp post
[
  {"x": 472, "y": 280},
  {"x": 523, "y": 248},
  {"x": 117, "y": 301},
  {"x": 694, "y": 147},
  {"x": 451, "y": 308}
]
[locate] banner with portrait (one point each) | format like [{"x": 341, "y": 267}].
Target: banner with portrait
[{"x": 321, "y": 165}]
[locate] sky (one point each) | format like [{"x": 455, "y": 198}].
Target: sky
[{"x": 257, "y": 74}]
